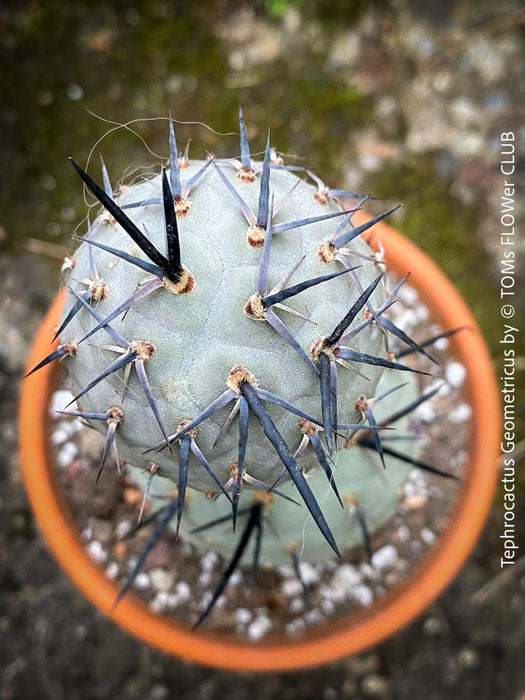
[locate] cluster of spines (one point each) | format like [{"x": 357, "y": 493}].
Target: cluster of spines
[{"x": 166, "y": 270}]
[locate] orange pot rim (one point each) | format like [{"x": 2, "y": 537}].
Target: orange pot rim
[{"x": 349, "y": 634}]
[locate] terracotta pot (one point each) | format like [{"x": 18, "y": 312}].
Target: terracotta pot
[{"x": 330, "y": 641}]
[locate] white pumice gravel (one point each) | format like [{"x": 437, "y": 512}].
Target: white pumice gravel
[
  {"x": 260, "y": 627},
  {"x": 209, "y": 561},
  {"x": 385, "y": 558},
  {"x": 455, "y": 373},
  {"x": 346, "y": 577},
  {"x": 112, "y": 570},
  {"x": 59, "y": 399},
  {"x": 161, "y": 579},
  {"x": 363, "y": 595},
  {"x": 461, "y": 413},
  {"x": 87, "y": 532},
  {"x": 427, "y": 536},
  {"x": 291, "y": 587},
  {"x": 309, "y": 573},
  {"x": 97, "y": 552},
  {"x": 403, "y": 533},
  {"x": 60, "y": 435},
  {"x": 297, "y": 606},
  {"x": 123, "y": 527},
  {"x": 432, "y": 626},
  {"x": 204, "y": 579},
  {"x": 142, "y": 581},
  {"x": 183, "y": 591},
  {"x": 67, "y": 454},
  {"x": 243, "y": 616}
]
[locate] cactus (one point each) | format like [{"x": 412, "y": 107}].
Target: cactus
[{"x": 226, "y": 329}]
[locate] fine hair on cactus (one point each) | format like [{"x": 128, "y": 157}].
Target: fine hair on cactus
[{"x": 228, "y": 329}]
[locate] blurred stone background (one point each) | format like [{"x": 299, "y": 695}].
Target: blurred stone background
[{"x": 405, "y": 99}]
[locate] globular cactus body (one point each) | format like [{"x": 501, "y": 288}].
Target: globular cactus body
[
  {"x": 226, "y": 326},
  {"x": 200, "y": 336}
]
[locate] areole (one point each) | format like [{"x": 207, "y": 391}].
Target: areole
[{"x": 329, "y": 641}]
